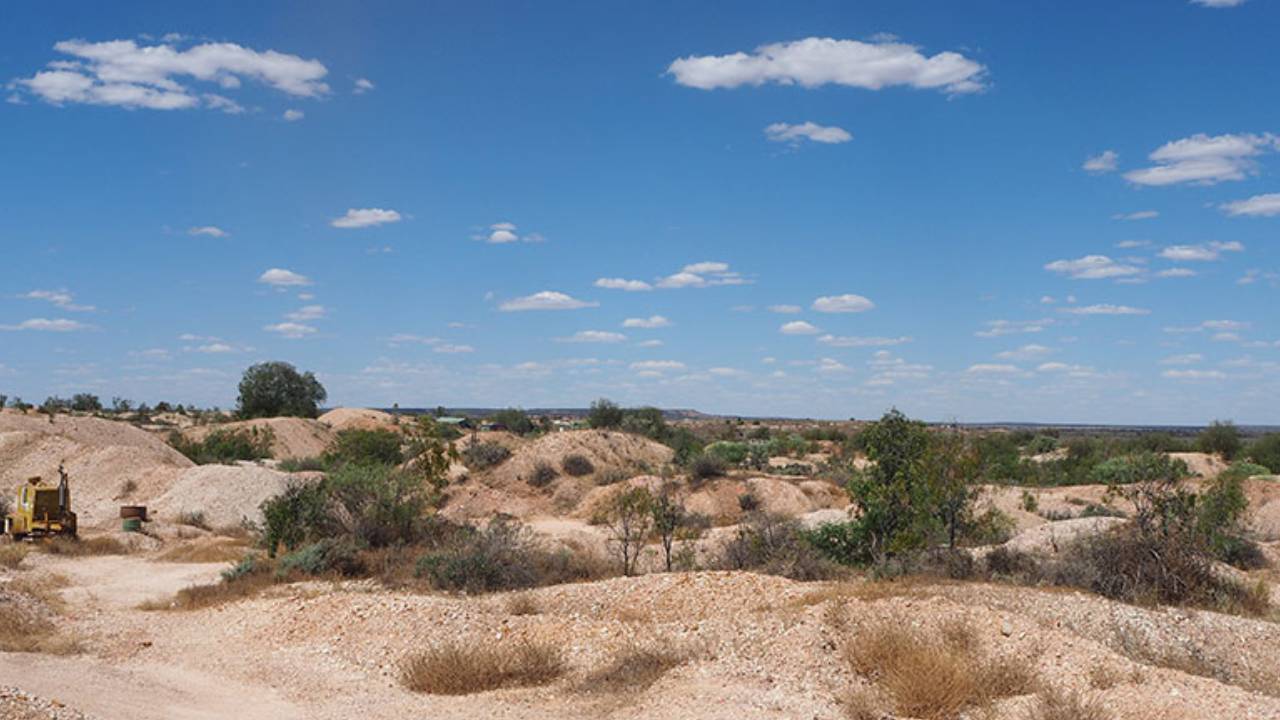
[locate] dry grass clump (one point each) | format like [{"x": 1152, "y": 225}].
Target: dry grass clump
[
  {"x": 79, "y": 547},
  {"x": 522, "y": 604},
  {"x": 1054, "y": 704},
  {"x": 455, "y": 668},
  {"x": 936, "y": 675},
  {"x": 25, "y": 625},
  {"x": 218, "y": 551},
  {"x": 11, "y": 555},
  {"x": 245, "y": 579},
  {"x": 634, "y": 669}
]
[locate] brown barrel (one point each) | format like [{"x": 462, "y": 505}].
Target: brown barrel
[{"x": 133, "y": 511}]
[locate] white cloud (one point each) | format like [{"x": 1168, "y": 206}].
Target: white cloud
[
  {"x": 1131, "y": 244},
  {"x": 621, "y": 284},
  {"x": 653, "y": 321},
  {"x": 1105, "y": 309},
  {"x": 1194, "y": 374},
  {"x": 849, "y": 341},
  {"x": 452, "y": 349},
  {"x": 1139, "y": 215},
  {"x": 1218, "y": 3},
  {"x": 1204, "y": 160},
  {"x": 848, "y": 303},
  {"x": 1103, "y": 163},
  {"x": 657, "y": 366},
  {"x": 217, "y": 348},
  {"x": 365, "y": 217},
  {"x": 1257, "y": 206},
  {"x": 545, "y": 300},
  {"x": 1200, "y": 253},
  {"x": 795, "y": 134},
  {"x": 1026, "y": 352},
  {"x": 1092, "y": 267},
  {"x": 993, "y": 369},
  {"x": 362, "y": 86},
  {"x": 726, "y": 372},
  {"x": 1178, "y": 272},
  {"x": 291, "y": 330},
  {"x": 682, "y": 280},
  {"x": 706, "y": 267},
  {"x": 293, "y": 115},
  {"x": 813, "y": 62},
  {"x": 210, "y": 230},
  {"x": 120, "y": 73},
  {"x": 46, "y": 325},
  {"x": 1000, "y": 328},
  {"x": 831, "y": 365},
  {"x": 280, "y": 277},
  {"x": 1187, "y": 359},
  {"x": 785, "y": 309},
  {"x": 594, "y": 336},
  {"x": 307, "y": 312},
  {"x": 59, "y": 298},
  {"x": 798, "y": 327},
  {"x": 502, "y": 233},
  {"x": 650, "y": 343},
  {"x": 702, "y": 274}
]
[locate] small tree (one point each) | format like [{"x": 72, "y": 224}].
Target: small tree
[
  {"x": 364, "y": 447},
  {"x": 4, "y": 399},
  {"x": 668, "y": 520},
  {"x": 515, "y": 420},
  {"x": 85, "y": 402},
  {"x": 120, "y": 405},
  {"x": 275, "y": 389},
  {"x": 630, "y": 520},
  {"x": 605, "y": 414},
  {"x": 1265, "y": 451},
  {"x": 1221, "y": 438},
  {"x": 953, "y": 466},
  {"x": 894, "y": 494}
]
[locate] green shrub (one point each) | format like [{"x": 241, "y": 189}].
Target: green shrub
[
  {"x": 1041, "y": 444},
  {"x": 544, "y": 473},
  {"x": 1265, "y": 451},
  {"x": 731, "y": 453},
  {"x": 1245, "y": 470},
  {"x": 484, "y": 455},
  {"x": 322, "y": 558},
  {"x": 776, "y": 546},
  {"x": 706, "y": 466},
  {"x": 365, "y": 447},
  {"x": 577, "y": 465},
  {"x": 514, "y": 420},
  {"x": 1220, "y": 438},
  {"x": 295, "y": 515},
  {"x": 226, "y": 445},
  {"x": 605, "y": 414},
  {"x": 309, "y": 464},
  {"x": 748, "y": 502},
  {"x": 500, "y": 556},
  {"x": 275, "y": 389}
]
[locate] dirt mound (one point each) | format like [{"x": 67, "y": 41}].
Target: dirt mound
[
  {"x": 294, "y": 438},
  {"x": 108, "y": 463},
  {"x": 358, "y": 419},
  {"x": 1052, "y": 537},
  {"x": 1202, "y": 464},
  {"x": 226, "y": 494},
  {"x": 604, "y": 449}
]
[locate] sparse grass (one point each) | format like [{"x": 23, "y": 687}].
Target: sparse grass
[
  {"x": 484, "y": 455},
  {"x": 522, "y": 603},
  {"x": 246, "y": 579},
  {"x": 634, "y": 669},
  {"x": 24, "y": 622},
  {"x": 935, "y": 675},
  {"x": 577, "y": 465},
  {"x": 80, "y": 546},
  {"x": 543, "y": 474},
  {"x": 1054, "y": 704},
  {"x": 1104, "y": 677},
  {"x": 307, "y": 464},
  {"x": 457, "y": 668},
  {"x": 221, "y": 551},
  {"x": 864, "y": 703},
  {"x": 12, "y": 554},
  {"x": 193, "y": 518}
]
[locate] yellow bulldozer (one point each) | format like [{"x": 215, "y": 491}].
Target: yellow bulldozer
[{"x": 42, "y": 510}]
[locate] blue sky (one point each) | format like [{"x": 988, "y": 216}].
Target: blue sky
[{"x": 981, "y": 211}]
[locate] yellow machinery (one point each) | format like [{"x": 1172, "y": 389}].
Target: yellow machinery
[{"x": 42, "y": 510}]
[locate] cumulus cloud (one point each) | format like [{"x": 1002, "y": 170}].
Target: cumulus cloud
[
  {"x": 46, "y": 325},
  {"x": 1000, "y": 328},
  {"x": 1092, "y": 267},
  {"x": 1026, "y": 352},
  {"x": 411, "y": 338},
  {"x": 307, "y": 313},
  {"x": 1200, "y": 253},
  {"x": 1204, "y": 160},
  {"x": 993, "y": 369},
  {"x": 702, "y": 274},
  {"x": 1257, "y": 206},
  {"x": 60, "y": 299},
  {"x": 502, "y": 233},
  {"x": 785, "y": 309},
  {"x": 365, "y": 217},
  {"x": 795, "y": 134},
  {"x": 813, "y": 62},
  {"x": 293, "y": 115},
  {"x": 848, "y": 303},
  {"x": 1103, "y": 163},
  {"x": 1218, "y": 3},
  {"x": 657, "y": 366},
  {"x": 653, "y": 321},
  {"x": 1194, "y": 374},
  {"x": 1177, "y": 272},
  {"x": 1106, "y": 309},
  {"x": 209, "y": 230},
  {"x": 362, "y": 86},
  {"x": 853, "y": 341},
  {"x": 798, "y": 327},
  {"x": 452, "y": 349},
  {"x": 831, "y": 365},
  {"x": 1187, "y": 359},
  {"x": 124, "y": 74},
  {"x": 594, "y": 336},
  {"x": 545, "y": 300},
  {"x": 622, "y": 284},
  {"x": 279, "y": 277},
  {"x": 649, "y": 343},
  {"x": 291, "y": 330}
]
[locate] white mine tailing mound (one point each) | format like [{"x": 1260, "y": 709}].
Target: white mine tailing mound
[
  {"x": 225, "y": 494},
  {"x": 100, "y": 456},
  {"x": 358, "y": 419},
  {"x": 294, "y": 438},
  {"x": 605, "y": 449}
]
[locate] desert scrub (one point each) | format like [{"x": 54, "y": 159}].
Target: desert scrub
[
  {"x": 577, "y": 465},
  {"x": 193, "y": 518},
  {"x": 11, "y": 555},
  {"x": 381, "y": 447},
  {"x": 634, "y": 668},
  {"x": 484, "y": 455},
  {"x": 226, "y": 446},
  {"x": 544, "y": 473},
  {"x": 456, "y": 668},
  {"x": 1053, "y": 704}
]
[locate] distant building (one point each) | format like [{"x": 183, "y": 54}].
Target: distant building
[{"x": 458, "y": 422}]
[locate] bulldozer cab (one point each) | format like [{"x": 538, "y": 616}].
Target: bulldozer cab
[{"x": 42, "y": 509}]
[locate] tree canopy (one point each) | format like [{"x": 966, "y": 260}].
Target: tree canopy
[{"x": 277, "y": 389}]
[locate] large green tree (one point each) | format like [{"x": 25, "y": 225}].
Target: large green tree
[{"x": 275, "y": 389}]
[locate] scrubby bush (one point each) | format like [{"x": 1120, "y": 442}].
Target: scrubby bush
[
  {"x": 324, "y": 557},
  {"x": 577, "y": 465},
  {"x": 275, "y": 389},
  {"x": 544, "y": 473},
  {"x": 775, "y": 546},
  {"x": 308, "y": 464},
  {"x": 1265, "y": 451},
  {"x": 730, "y": 453},
  {"x": 226, "y": 445},
  {"x": 500, "y": 556},
  {"x": 1220, "y": 438},
  {"x": 514, "y": 420},
  {"x": 706, "y": 466},
  {"x": 612, "y": 476},
  {"x": 365, "y": 447},
  {"x": 456, "y": 668},
  {"x": 1244, "y": 470},
  {"x": 484, "y": 455},
  {"x": 1041, "y": 444},
  {"x": 604, "y": 415}
]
